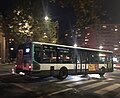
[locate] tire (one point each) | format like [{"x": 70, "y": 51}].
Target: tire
[
  {"x": 102, "y": 71},
  {"x": 63, "y": 73}
]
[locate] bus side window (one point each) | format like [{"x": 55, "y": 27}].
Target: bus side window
[
  {"x": 93, "y": 57},
  {"x": 102, "y": 58},
  {"x": 49, "y": 54},
  {"x": 37, "y": 53},
  {"x": 64, "y": 55},
  {"x": 84, "y": 57},
  {"x": 53, "y": 54}
]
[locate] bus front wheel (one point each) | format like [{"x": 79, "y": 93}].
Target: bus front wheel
[{"x": 63, "y": 73}]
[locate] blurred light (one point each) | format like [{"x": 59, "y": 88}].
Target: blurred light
[
  {"x": 86, "y": 39},
  {"x": 46, "y": 18},
  {"x": 88, "y": 33},
  {"x": 75, "y": 45},
  {"x": 116, "y": 29},
  {"x": 115, "y": 48},
  {"x": 21, "y": 73},
  {"x": 104, "y": 26},
  {"x": 11, "y": 48},
  {"x": 66, "y": 34},
  {"x": 13, "y": 71},
  {"x": 115, "y": 59},
  {"x": 94, "y": 76},
  {"x": 101, "y": 54},
  {"x": 101, "y": 47}
]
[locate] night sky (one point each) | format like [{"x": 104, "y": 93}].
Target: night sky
[
  {"x": 66, "y": 15},
  {"x": 113, "y": 10}
]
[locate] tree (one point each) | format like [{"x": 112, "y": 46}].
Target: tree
[
  {"x": 23, "y": 23},
  {"x": 45, "y": 31},
  {"x": 87, "y": 11}
]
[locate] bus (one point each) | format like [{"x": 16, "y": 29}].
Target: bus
[{"x": 46, "y": 59}]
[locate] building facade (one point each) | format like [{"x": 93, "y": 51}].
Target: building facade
[
  {"x": 102, "y": 36},
  {"x": 2, "y": 48}
]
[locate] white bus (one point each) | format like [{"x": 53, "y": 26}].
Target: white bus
[{"x": 45, "y": 59}]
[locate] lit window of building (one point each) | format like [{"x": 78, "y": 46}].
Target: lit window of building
[
  {"x": 115, "y": 48},
  {"x": 104, "y": 26},
  {"x": 86, "y": 39},
  {"x": 116, "y": 29},
  {"x": 66, "y": 34},
  {"x": 88, "y": 33}
]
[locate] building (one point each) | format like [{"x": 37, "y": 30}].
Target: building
[
  {"x": 102, "y": 36},
  {"x": 2, "y": 43},
  {"x": 2, "y": 48}
]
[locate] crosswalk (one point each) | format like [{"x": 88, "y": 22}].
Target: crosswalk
[{"x": 101, "y": 87}]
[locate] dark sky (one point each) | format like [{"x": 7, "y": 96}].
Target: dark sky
[
  {"x": 113, "y": 10},
  {"x": 112, "y": 7}
]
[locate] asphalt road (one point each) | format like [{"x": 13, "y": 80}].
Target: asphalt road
[{"x": 93, "y": 86}]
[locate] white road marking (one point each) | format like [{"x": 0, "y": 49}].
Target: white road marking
[
  {"x": 80, "y": 83},
  {"x": 107, "y": 89},
  {"x": 57, "y": 92},
  {"x": 92, "y": 85},
  {"x": 23, "y": 87},
  {"x": 65, "y": 81}
]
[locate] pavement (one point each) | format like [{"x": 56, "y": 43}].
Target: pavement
[{"x": 6, "y": 68}]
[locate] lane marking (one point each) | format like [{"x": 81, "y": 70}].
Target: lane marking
[
  {"x": 23, "y": 87},
  {"x": 57, "y": 92},
  {"x": 93, "y": 85},
  {"x": 107, "y": 89},
  {"x": 80, "y": 83},
  {"x": 65, "y": 81}
]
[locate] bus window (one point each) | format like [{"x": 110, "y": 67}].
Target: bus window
[
  {"x": 49, "y": 54},
  {"x": 37, "y": 53},
  {"x": 84, "y": 57},
  {"x": 93, "y": 57},
  {"x": 102, "y": 58},
  {"x": 63, "y": 55}
]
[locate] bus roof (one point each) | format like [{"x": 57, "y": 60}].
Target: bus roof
[{"x": 92, "y": 49}]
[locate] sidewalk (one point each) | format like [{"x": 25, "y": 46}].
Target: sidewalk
[{"x": 6, "y": 68}]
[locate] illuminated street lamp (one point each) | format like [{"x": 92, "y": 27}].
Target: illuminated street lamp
[
  {"x": 101, "y": 47},
  {"x": 75, "y": 45},
  {"x": 46, "y": 18}
]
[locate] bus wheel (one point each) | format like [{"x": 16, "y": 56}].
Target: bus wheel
[
  {"x": 102, "y": 71},
  {"x": 63, "y": 73}
]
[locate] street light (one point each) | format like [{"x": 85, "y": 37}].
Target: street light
[
  {"x": 101, "y": 47},
  {"x": 46, "y": 18},
  {"x": 75, "y": 45}
]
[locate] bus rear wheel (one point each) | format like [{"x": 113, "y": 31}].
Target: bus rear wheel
[{"x": 63, "y": 73}]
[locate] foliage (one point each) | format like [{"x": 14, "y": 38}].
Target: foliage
[
  {"x": 87, "y": 11},
  {"x": 25, "y": 23}
]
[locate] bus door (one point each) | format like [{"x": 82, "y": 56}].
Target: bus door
[
  {"x": 77, "y": 65},
  {"x": 83, "y": 61},
  {"x": 77, "y": 61},
  {"x": 109, "y": 63}
]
